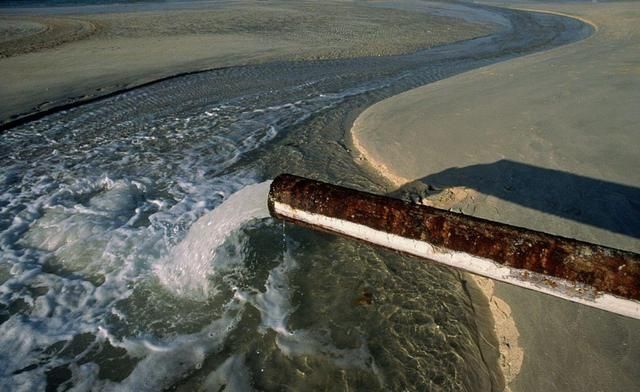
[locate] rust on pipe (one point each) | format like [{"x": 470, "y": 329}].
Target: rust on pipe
[{"x": 586, "y": 273}]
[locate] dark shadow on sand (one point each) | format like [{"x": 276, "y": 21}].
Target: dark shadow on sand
[{"x": 606, "y": 205}]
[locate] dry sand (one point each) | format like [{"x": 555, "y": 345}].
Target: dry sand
[
  {"x": 54, "y": 56},
  {"x": 548, "y": 141}
]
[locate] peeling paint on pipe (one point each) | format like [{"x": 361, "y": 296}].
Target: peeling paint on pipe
[{"x": 581, "y": 272}]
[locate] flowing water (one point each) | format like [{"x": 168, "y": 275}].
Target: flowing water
[{"x": 136, "y": 251}]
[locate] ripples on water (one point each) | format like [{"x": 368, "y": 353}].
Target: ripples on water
[{"x": 117, "y": 270}]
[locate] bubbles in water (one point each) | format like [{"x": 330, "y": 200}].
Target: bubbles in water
[{"x": 165, "y": 362}]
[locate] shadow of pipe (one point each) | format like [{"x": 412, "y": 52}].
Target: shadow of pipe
[{"x": 597, "y": 203}]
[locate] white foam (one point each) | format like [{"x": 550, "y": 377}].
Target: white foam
[
  {"x": 274, "y": 304},
  {"x": 78, "y": 235},
  {"x": 167, "y": 361},
  {"x": 187, "y": 268},
  {"x": 275, "y": 307}
]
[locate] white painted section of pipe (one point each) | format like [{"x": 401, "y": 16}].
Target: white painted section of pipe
[{"x": 461, "y": 260}]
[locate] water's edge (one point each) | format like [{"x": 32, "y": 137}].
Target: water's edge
[{"x": 321, "y": 135}]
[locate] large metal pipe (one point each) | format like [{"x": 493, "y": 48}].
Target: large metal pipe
[{"x": 578, "y": 271}]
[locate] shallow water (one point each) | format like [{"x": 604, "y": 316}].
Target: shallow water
[{"x": 136, "y": 253}]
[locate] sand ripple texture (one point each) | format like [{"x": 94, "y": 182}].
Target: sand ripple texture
[
  {"x": 94, "y": 199},
  {"x": 342, "y": 29},
  {"x": 57, "y": 55},
  {"x": 28, "y": 34}
]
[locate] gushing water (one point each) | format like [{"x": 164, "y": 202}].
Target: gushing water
[{"x": 187, "y": 268}]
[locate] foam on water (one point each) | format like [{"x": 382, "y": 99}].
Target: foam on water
[
  {"x": 274, "y": 305},
  {"x": 186, "y": 269},
  {"x": 123, "y": 236},
  {"x": 82, "y": 260},
  {"x": 126, "y": 252},
  {"x": 99, "y": 202},
  {"x": 165, "y": 362},
  {"x": 88, "y": 213}
]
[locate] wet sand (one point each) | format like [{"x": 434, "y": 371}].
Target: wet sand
[
  {"x": 55, "y": 56},
  {"x": 548, "y": 142}
]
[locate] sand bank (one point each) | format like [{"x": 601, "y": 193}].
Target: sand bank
[
  {"x": 53, "y": 56},
  {"x": 547, "y": 141}
]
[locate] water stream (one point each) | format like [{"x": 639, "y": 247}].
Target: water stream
[{"x": 136, "y": 252}]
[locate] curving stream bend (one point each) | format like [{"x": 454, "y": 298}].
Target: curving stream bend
[{"x": 104, "y": 282}]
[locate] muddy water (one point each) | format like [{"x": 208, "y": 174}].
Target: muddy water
[{"x": 127, "y": 264}]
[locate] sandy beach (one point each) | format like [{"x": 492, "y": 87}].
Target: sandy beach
[
  {"x": 55, "y": 56},
  {"x": 548, "y": 142},
  {"x": 520, "y": 142}
]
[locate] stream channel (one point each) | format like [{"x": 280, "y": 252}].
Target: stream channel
[{"x": 136, "y": 253}]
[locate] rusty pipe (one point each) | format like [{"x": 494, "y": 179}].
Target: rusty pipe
[{"x": 581, "y": 272}]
